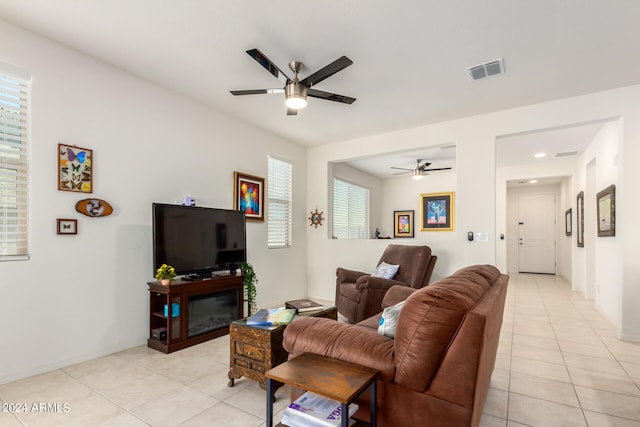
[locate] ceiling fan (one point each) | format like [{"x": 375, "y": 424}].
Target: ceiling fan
[
  {"x": 296, "y": 90},
  {"x": 420, "y": 170}
]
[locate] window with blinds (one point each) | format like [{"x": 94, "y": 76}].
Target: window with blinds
[
  {"x": 279, "y": 203},
  {"x": 14, "y": 124},
  {"x": 350, "y": 210}
]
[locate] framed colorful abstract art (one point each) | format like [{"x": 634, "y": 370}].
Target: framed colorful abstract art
[
  {"x": 75, "y": 169},
  {"x": 248, "y": 195},
  {"x": 436, "y": 211},
  {"x": 402, "y": 223}
]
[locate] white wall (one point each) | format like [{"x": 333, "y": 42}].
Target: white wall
[
  {"x": 84, "y": 296},
  {"x": 474, "y": 209},
  {"x": 599, "y": 261},
  {"x": 481, "y": 190},
  {"x": 404, "y": 194},
  {"x": 566, "y": 200}
]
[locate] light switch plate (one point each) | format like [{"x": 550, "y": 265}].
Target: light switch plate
[{"x": 482, "y": 237}]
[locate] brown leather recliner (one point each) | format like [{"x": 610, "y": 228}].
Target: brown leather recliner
[
  {"x": 359, "y": 295},
  {"x": 436, "y": 371}
]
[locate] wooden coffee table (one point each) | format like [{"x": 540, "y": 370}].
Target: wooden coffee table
[
  {"x": 336, "y": 379},
  {"x": 256, "y": 349}
]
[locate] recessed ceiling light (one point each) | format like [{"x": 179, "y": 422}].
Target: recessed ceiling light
[
  {"x": 533, "y": 181},
  {"x": 539, "y": 155}
]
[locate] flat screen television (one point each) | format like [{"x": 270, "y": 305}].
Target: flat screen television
[{"x": 197, "y": 241}]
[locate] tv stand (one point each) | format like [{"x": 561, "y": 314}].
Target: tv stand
[{"x": 190, "y": 312}]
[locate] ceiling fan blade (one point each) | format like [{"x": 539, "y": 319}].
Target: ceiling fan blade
[
  {"x": 257, "y": 91},
  {"x": 327, "y": 71},
  {"x": 435, "y": 169},
  {"x": 268, "y": 65},
  {"x": 292, "y": 112},
  {"x": 424, "y": 165},
  {"x": 330, "y": 96},
  {"x": 400, "y": 173},
  {"x": 404, "y": 169}
]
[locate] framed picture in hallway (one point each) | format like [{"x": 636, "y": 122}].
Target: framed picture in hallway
[
  {"x": 436, "y": 212},
  {"x": 606, "y": 203},
  {"x": 580, "y": 219},
  {"x": 567, "y": 222},
  {"x": 248, "y": 195}
]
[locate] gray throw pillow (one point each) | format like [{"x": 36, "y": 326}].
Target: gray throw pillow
[{"x": 386, "y": 270}]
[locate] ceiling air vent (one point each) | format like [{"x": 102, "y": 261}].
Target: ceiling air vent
[
  {"x": 487, "y": 69},
  {"x": 567, "y": 154}
]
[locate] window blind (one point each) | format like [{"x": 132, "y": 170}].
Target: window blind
[
  {"x": 279, "y": 216},
  {"x": 14, "y": 124},
  {"x": 350, "y": 210}
]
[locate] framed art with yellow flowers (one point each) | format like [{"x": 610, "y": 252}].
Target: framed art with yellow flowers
[
  {"x": 248, "y": 195},
  {"x": 75, "y": 169}
]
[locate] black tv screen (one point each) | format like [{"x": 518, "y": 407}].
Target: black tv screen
[{"x": 197, "y": 240}]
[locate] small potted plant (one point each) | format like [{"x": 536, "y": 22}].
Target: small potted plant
[
  {"x": 250, "y": 280},
  {"x": 165, "y": 274}
]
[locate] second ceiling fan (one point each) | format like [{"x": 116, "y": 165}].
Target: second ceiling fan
[
  {"x": 420, "y": 170},
  {"x": 296, "y": 90}
]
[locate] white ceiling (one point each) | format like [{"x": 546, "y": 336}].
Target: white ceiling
[{"x": 410, "y": 57}]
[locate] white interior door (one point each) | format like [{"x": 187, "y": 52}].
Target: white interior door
[{"x": 537, "y": 233}]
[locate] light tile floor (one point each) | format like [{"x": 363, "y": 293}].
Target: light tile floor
[{"x": 558, "y": 364}]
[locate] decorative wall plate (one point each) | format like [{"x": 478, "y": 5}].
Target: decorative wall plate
[
  {"x": 94, "y": 207},
  {"x": 316, "y": 218}
]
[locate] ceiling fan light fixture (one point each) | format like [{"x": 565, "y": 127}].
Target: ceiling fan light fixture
[
  {"x": 417, "y": 175},
  {"x": 295, "y": 96}
]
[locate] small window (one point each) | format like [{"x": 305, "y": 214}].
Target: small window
[
  {"x": 350, "y": 210},
  {"x": 279, "y": 203},
  {"x": 14, "y": 125}
]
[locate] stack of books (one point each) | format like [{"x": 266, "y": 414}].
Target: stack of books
[
  {"x": 313, "y": 410},
  {"x": 304, "y": 306},
  {"x": 271, "y": 317}
]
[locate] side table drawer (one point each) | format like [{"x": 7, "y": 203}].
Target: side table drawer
[{"x": 250, "y": 351}]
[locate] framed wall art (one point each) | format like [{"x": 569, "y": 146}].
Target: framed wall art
[
  {"x": 248, "y": 195},
  {"x": 606, "y": 204},
  {"x": 67, "y": 226},
  {"x": 580, "y": 219},
  {"x": 403, "y": 223},
  {"x": 567, "y": 222},
  {"x": 437, "y": 212},
  {"x": 75, "y": 169}
]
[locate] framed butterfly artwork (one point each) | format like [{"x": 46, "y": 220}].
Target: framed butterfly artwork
[
  {"x": 67, "y": 226},
  {"x": 75, "y": 169}
]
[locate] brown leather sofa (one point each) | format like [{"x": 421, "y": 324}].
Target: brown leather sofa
[
  {"x": 359, "y": 295},
  {"x": 436, "y": 372}
]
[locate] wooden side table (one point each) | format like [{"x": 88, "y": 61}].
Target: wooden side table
[
  {"x": 332, "y": 378},
  {"x": 256, "y": 349}
]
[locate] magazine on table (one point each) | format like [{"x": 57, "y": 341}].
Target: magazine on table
[
  {"x": 300, "y": 421},
  {"x": 314, "y": 410},
  {"x": 271, "y": 317}
]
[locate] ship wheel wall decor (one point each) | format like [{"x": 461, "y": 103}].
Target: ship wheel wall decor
[{"x": 316, "y": 219}]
